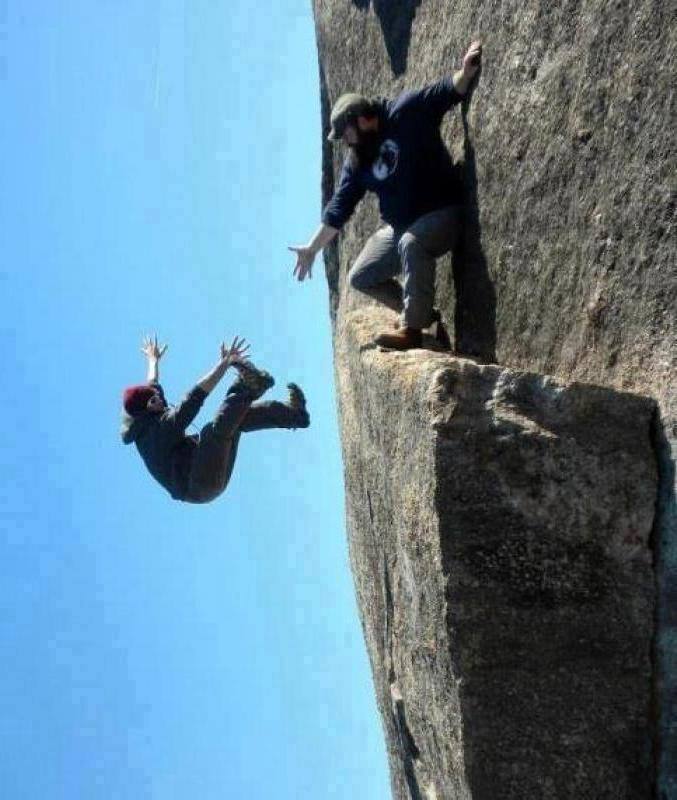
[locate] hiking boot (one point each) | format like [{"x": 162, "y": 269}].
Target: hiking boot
[
  {"x": 297, "y": 402},
  {"x": 253, "y": 381},
  {"x": 441, "y": 335},
  {"x": 403, "y": 339}
]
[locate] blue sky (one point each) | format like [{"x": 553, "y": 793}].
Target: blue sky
[{"x": 156, "y": 160}]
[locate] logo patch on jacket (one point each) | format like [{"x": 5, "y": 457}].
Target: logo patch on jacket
[{"x": 386, "y": 163}]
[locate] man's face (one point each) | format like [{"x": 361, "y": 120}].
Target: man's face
[
  {"x": 364, "y": 138},
  {"x": 155, "y": 403},
  {"x": 351, "y": 134},
  {"x": 358, "y": 130}
]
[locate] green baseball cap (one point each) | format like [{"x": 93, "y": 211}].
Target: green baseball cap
[{"x": 345, "y": 110}]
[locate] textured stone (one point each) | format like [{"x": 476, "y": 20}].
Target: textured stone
[
  {"x": 499, "y": 526},
  {"x": 508, "y": 531}
]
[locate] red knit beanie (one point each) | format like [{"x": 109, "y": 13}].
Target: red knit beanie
[{"x": 135, "y": 398}]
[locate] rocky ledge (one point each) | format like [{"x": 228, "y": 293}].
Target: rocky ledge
[{"x": 500, "y": 528}]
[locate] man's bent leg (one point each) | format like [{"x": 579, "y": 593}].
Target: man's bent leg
[
  {"x": 214, "y": 456},
  {"x": 373, "y": 273},
  {"x": 264, "y": 416},
  {"x": 420, "y": 245}
]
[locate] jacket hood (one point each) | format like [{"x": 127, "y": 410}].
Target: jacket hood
[{"x": 133, "y": 428}]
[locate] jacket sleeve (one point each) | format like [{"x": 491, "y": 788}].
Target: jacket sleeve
[
  {"x": 185, "y": 412},
  {"x": 433, "y": 100},
  {"x": 157, "y": 385},
  {"x": 349, "y": 193}
]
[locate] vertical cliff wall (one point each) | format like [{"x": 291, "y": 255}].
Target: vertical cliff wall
[{"x": 512, "y": 536}]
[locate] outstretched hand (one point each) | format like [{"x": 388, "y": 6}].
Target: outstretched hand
[
  {"x": 151, "y": 349},
  {"x": 472, "y": 60},
  {"x": 304, "y": 261},
  {"x": 238, "y": 351}
]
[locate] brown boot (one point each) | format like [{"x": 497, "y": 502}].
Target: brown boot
[
  {"x": 441, "y": 334},
  {"x": 403, "y": 339}
]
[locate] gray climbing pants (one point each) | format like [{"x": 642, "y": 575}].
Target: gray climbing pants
[
  {"x": 213, "y": 456},
  {"x": 411, "y": 253}
]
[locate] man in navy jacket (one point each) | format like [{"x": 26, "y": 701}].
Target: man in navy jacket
[{"x": 397, "y": 152}]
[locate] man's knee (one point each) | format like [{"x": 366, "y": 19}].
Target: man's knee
[
  {"x": 359, "y": 277},
  {"x": 433, "y": 234},
  {"x": 408, "y": 243}
]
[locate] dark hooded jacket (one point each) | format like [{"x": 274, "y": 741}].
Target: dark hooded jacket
[{"x": 161, "y": 440}]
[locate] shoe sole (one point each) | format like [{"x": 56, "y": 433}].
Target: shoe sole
[{"x": 296, "y": 397}]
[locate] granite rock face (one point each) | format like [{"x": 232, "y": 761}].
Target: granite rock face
[
  {"x": 499, "y": 527},
  {"x": 512, "y": 536}
]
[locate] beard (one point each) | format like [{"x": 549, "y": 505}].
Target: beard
[{"x": 367, "y": 148}]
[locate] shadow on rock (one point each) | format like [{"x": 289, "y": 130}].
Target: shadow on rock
[
  {"x": 396, "y": 20},
  {"x": 665, "y": 643},
  {"x": 549, "y": 596},
  {"x": 475, "y": 311},
  {"x": 470, "y": 299}
]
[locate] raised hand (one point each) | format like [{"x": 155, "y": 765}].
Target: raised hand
[
  {"x": 238, "y": 351},
  {"x": 151, "y": 349},
  {"x": 472, "y": 60},
  {"x": 304, "y": 261}
]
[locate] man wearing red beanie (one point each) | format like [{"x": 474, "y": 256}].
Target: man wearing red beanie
[{"x": 196, "y": 468}]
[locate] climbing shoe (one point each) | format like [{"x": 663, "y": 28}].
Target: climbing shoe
[
  {"x": 402, "y": 339},
  {"x": 253, "y": 381},
  {"x": 297, "y": 402}
]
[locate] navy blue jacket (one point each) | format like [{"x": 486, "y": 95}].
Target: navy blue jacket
[{"x": 413, "y": 173}]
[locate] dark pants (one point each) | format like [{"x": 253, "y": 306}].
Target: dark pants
[
  {"x": 412, "y": 254},
  {"x": 213, "y": 457}
]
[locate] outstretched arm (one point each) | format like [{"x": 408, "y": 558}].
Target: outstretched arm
[
  {"x": 471, "y": 63},
  {"x": 338, "y": 210},
  {"x": 185, "y": 412},
  {"x": 305, "y": 254},
  {"x": 229, "y": 356},
  {"x": 153, "y": 353}
]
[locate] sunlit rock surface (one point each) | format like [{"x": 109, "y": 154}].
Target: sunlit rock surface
[{"x": 512, "y": 535}]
